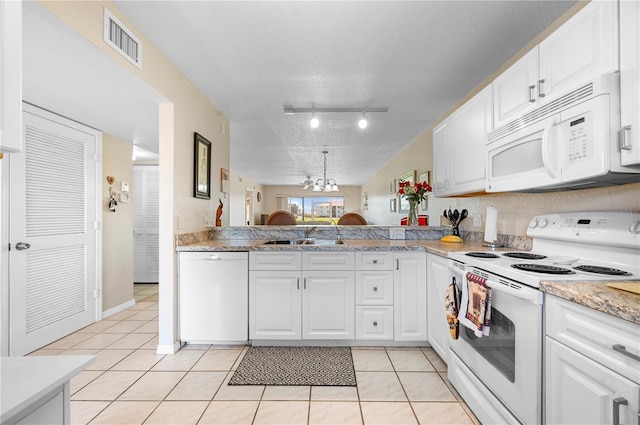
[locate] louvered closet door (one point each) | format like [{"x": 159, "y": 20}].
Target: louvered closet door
[
  {"x": 146, "y": 191},
  {"x": 54, "y": 209}
]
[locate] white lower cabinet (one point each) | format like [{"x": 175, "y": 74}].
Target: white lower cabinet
[
  {"x": 410, "y": 296},
  {"x": 592, "y": 367},
  {"x": 374, "y": 295},
  {"x": 339, "y": 295},
  {"x": 293, "y": 303},
  {"x": 438, "y": 279}
]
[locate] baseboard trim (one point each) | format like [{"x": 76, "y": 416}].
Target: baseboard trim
[
  {"x": 118, "y": 308},
  {"x": 168, "y": 349}
]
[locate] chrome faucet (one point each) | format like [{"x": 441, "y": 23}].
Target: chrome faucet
[
  {"x": 308, "y": 231},
  {"x": 339, "y": 238}
]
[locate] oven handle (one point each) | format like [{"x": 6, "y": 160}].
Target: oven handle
[{"x": 532, "y": 296}]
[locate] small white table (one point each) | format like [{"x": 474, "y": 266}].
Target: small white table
[{"x": 35, "y": 390}]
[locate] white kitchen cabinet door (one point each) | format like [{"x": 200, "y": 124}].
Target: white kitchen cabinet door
[
  {"x": 441, "y": 159},
  {"x": 410, "y": 296},
  {"x": 630, "y": 82},
  {"x": 585, "y": 47},
  {"x": 10, "y": 76},
  {"x": 438, "y": 279},
  {"x": 515, "y": 90},
  {"x": 470, "y": 125},
  {"x": 581, "y": 391},
  {"x": 274, "y": 305},
  {"x": 328, "y": 305}
]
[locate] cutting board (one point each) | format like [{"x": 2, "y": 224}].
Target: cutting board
[{"x": 627, "y": 286}]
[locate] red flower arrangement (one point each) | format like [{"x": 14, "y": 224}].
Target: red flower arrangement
[{"x": 415, "y": 192}]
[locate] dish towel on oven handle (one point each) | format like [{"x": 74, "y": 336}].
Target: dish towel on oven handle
[
  {"x": 475, "y": 306},
  {"x": 452, "y": 308}
]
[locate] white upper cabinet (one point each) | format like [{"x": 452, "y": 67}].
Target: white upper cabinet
[
  {"x": 583, "y": 48},
  {"x": 630, "y": 82},
  {"x": 514, "y": 91},
  {"x": 10, "y": 76},
  {"x": 459, "y": 147}
]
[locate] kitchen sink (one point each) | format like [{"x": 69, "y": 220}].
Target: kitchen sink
[{"x": 304, "y": 242}]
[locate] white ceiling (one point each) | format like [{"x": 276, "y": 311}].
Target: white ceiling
[{"x": 416, "y": 58}]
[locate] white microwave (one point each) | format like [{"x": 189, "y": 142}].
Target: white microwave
[{"x": 569, "y": 143}]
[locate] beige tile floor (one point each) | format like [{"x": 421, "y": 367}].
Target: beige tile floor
[{"x": 131, "y": 384}]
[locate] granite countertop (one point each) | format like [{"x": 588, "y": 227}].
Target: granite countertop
[
  {"x": 598, "y": 296},
  {"x": 431, "y": 246}
]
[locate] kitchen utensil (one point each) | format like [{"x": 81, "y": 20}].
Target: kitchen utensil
[
  {"x": 463, "y": 214},
  {"x": 456, "y": 216}
]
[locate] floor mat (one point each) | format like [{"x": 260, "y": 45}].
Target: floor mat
[{"x": 329, "y": 366}]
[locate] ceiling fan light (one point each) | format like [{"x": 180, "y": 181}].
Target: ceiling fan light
[{"x": 315, "y": 122}]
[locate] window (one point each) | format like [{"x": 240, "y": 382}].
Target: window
[{"x": 315, "y": 209}]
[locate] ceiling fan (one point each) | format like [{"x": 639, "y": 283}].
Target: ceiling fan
[{"x": 307, "y": 183}]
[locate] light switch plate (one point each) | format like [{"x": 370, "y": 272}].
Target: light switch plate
[
  {"x": 125, "y": 187},
  {"x": 396, "y": 233},
  {"x": 477, "y": 220}
]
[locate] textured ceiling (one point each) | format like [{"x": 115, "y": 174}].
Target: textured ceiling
[{"x": 416, "y": 58}]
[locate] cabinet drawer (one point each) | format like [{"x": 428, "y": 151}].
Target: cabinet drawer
[
  {"x": 328, "y": 260},
  {"x": 374, "y": 322},
  {"x": 595, "y": 334},
  {"x": 375, "y": 260},
  {"x": 274, "y": 260},
  {"x": 374, "y": 287}
]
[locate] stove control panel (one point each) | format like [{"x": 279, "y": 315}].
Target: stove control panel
[{"x": 600, "y": 227}]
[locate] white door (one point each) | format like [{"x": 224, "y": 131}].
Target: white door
[
  {"x": 54, "y": 224},
  {"x": 146, "y": 227}
]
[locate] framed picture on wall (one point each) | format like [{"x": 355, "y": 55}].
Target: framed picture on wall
[
  {"x": 409, "y": 176},
  {"x": 201, "y": 167},
  {"x": 224, "y": 180}
]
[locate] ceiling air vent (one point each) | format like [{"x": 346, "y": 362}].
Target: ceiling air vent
[{"x": 121, "y": 39}]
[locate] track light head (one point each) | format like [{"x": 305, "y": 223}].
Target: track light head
[
  {"x": 363, "y": 121},
  {"x": 315, "y": 122}
]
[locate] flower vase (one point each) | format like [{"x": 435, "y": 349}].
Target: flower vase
[{"x": 412, "y": 218}]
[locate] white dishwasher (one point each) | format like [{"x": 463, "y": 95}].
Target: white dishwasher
[{"x": 214, "y": 297}]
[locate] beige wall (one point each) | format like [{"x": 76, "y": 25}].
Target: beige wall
[{"x": 117, "y": 227}]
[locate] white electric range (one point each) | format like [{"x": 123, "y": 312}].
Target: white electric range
[{"x": 500, "y": 375}]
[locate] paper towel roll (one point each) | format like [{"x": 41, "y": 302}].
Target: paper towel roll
[{"x": 491, "y": 225}]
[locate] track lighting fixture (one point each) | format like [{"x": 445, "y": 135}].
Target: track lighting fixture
[{"x": 315, "y": 122}]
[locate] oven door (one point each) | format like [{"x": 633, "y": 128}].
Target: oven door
[{"x": 509, "y": 360}]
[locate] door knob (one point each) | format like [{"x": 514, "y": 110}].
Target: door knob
[{"x": 22, "y": 246}]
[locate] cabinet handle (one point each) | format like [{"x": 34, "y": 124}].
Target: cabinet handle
[
  {"x": 375, "y": 289},
  {"x": 616, "y": 409},
  {"x": 298, "y": 285},
  {"x": 375, "y": 323},
  {"x": 397, "y": 264},
  {"x": 623, "y": 350},
  {"x": 375, "y": 261},
  {"x": 531, "y": 96},
  {"x": 541, "y": 88},
  {"x": 625, "y": 138},
  {"x": 305, "y": 283}
]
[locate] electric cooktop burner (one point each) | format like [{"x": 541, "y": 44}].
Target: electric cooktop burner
[
  {"x": 602, "y": 270},
  {"x": 524, "y": 255},
  {"x": 481, "y": 255},
  {"x": 542, "y": 268}
]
